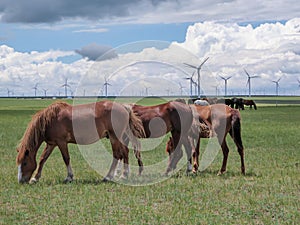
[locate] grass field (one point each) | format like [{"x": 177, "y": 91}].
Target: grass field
[{"x": 268, "y": 194}]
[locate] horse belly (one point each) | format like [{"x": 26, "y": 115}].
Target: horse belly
[{"x": 85, "y": 131}]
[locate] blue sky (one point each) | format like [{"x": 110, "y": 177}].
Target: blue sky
[
  {"x": 47, "y": 42},
  {"x": 27, "y": 39}
]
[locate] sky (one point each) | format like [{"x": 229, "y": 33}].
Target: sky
[{"x": 140, "y": 47}]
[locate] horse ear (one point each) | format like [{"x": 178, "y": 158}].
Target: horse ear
[{"x": 26, "y": 152}]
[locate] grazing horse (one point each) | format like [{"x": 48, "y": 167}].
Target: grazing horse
[
  {"x": 249, "y": 103},
  {"x": 221, "y": 119},
  {"x": 61, "y": 123},
  {"x": 158, "y": 120}
]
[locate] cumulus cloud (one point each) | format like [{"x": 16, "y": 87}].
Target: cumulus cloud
[
  {"x": 21, "y": 71},
  {"x": 270, "y": 51},
  {"x": 97, "y": 52}
]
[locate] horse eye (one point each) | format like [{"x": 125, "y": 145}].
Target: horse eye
[{"x": 24, "y": 163}]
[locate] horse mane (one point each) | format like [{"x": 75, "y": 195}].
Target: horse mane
[{"x": 35, "y": 131}]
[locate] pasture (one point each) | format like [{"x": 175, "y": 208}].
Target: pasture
[{"x": 268, "y": 194}]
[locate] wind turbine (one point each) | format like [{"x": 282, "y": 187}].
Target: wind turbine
[
  {"x": 191, "y": 82},
  {"x": 105, "y": 85},
  {"x": 217, "y": 89},
  {"x": 8, "y": 92},
  {"x": 198, "y": 72},
  {"x": 35, "y": 88},
  {"x": 298, "y": 82},
  {"x": 181, "y": 88},
  {"x": 146, "y": 90},
  {"x": 277, "y": 85},
  {"x": 66, "y": 85},
  {"x": 249, "y": 81},
  {"x": 225, "y": 80},
  {"x": 45, "y": 92}
]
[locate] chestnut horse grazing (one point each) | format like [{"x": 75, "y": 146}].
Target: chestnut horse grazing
[
  {"x": 221, "y": 119},
  {"x": 61, "y": 123},
  {"x": 174, "y": 117}
]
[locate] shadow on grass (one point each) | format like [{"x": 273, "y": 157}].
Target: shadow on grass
[{"x": 178, "y": 175}]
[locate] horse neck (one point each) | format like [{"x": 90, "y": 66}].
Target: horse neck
[{"x": 33, "y": 138}]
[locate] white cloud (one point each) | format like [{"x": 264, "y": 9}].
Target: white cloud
[
  {"x": 270, "y": 50},
  {"x": 92, "y": 30}
]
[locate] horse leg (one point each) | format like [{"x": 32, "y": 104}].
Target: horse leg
[
  {"x": 137, "y": 153},
  {"x": 116, "y": 148},
  {"x": 63, "y": 147},
  {"x": 196, "y": 153},
  {"x": 225, "y": 151},
  {"x": 189, "y": 148},
  {"x": 45, "y": 154},
  {"x": 235, "y": 133},
  {"x": 176, "y": 154},
  {"x": 124, "y": 156}
]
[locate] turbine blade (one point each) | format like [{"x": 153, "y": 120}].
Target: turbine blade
[
  {"x": 246, "y": 72},
  {"x": 193, "y": 74},
  {"x": 203, "y": 62},
  {"x": 190, "y": 65}
]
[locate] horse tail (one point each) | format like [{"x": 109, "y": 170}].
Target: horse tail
[
  {"x": 236, "y": 128},
  {"x": 136, "y": 125},
  {"x": 134, "y": 131}
]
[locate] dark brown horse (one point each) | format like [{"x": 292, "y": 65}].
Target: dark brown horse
[
  {"x": 249, "y": 103},
  {"x": 61, "y": 123},
  {"x": 221, "y": 119},
  {"x": 174, "y": 117}
]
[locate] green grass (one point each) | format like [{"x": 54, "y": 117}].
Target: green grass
[{"x": 268, "y": 194}]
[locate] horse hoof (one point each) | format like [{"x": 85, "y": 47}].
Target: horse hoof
[
  {"x": 106, "y": 179},
  {"x": 123, "y": 177},
  {"x": 33, "y": 180},
  {"x": 68, "y": 180},
  {"x": 220, "y": 173}
]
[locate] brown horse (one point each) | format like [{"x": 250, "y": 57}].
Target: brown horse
[
  {"x": 174, "y": 117},
  {"x": 249, "y": 103},
  {"x": 221, "y": 119},
  {"x": 61, "y": 123}
]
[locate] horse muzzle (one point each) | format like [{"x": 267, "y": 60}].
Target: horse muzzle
[{"x": 22, "y": 179}]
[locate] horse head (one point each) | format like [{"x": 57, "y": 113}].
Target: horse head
[{"x": 26, "y": 164}]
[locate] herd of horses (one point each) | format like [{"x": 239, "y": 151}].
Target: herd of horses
[
  {"x": 237, "y": 103},
  {"x": 60, "y": 124}
]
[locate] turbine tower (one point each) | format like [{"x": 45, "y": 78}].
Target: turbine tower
[
  {"x": 8, "y": 92},
  {"x": 105, "y": 85},
  {"x": 277, "y": 85},
  {"x": 225, "y": 80},
  {"x": 146, "y": 90},
  {"x": 198, "y": 72},
  {"x": 191, "y": 82},
  {"x": 249, "y": 81},
  {"x": 181, "y": 88},
  {"x": 66, "y": 85},
  {"x": 216, "y": 88},
  {"x": 35, "y": 89},
  {"x": 45, "y": 92}
]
